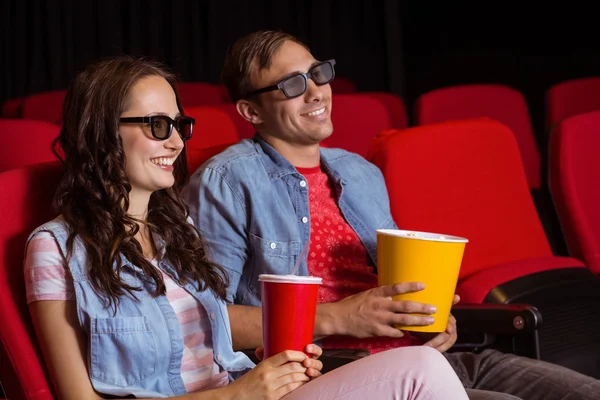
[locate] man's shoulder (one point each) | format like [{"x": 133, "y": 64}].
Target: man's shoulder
[
  {"x": 337, "y": 158},
  {"x": 239, "y": 153}
]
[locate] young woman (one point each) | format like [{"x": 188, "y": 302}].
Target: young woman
[{"x": 123, "y": 299}]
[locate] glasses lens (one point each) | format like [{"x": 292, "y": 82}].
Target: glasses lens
[
  {"x": 184, "y": 127},
  {"x": 294, "y": 86},
  {"x": 161, "y": 126},
  {"x": 322, "y": 73}
]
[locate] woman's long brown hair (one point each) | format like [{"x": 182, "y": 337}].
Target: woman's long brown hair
[{"x": 93, "y": 194}]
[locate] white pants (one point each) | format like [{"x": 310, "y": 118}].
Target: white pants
[{"x": 409, "y": 373}]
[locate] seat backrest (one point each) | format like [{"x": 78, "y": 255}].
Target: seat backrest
[
  {"x": 395, "y": 106},
  {"x": 213, "y": 127},
  {"x": 224, "y": 93},
  {"x": 25, "y": 198},
  {"x": 570, "y": 98},
  {"x": 463, "y": 178},
  {"x": 575, "y": 184},
  {"x": 194, "y": 94},
  {"x": 26, "y": 142},
  {"x": 244, "y": 128},
  {"x": 12, "y": 108},
  {"x": 499, "y": 102},
  {"x": 45, "y": 106},
  {"x": 356, "y": 119},
  {"x": 342, "y": 85}
]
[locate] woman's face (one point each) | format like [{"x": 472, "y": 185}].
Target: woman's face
[{"x": 149, "y": 161}]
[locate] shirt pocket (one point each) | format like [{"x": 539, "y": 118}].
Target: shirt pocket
[
  {"x": 123, "y": 350},
  {"x": 271, "y": 257}
]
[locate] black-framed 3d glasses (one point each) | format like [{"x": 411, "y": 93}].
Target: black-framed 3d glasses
[
  {"x": 295, "y": 85},
  {"x": 162, "y": 125}
]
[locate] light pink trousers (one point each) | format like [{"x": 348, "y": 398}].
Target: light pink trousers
[{"x": 409, "y": 373}]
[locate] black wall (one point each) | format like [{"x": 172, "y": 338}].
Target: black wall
[{"x": 405, "y": 47}]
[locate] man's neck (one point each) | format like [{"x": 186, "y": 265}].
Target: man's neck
[{"x": 304, "y": 156}]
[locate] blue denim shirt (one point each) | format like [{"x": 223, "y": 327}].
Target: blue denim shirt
[
  {"x": 252, "y": 208},
  {"x": 138, "y": 350}
]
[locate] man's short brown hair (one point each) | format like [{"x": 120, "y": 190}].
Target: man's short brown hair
[{"x": 249, "y": 53}]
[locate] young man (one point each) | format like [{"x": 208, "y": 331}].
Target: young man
[{"x": 261, "y": 201}]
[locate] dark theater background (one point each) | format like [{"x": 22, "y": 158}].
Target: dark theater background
[{"x": 406, "y": 47}]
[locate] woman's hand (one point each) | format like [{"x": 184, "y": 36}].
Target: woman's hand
[
  {"x": 276, "y": 376},
  {"x": 312, "y": 363}
]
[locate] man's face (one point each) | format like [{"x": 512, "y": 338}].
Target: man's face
[{"x": 304, "y": 120}]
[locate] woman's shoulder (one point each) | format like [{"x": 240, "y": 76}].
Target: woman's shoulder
[{"x": 58, "y": 227}]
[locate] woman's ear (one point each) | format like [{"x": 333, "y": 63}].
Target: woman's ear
[{"x": 249, "y": 111}]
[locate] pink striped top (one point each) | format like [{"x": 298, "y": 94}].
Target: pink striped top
[{"x": 46, "y": 278}]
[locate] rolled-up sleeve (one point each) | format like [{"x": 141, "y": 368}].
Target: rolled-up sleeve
[{"x": 220, "y": 215}]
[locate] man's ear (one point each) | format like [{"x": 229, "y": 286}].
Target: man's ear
[{"x": 248, "y": 111}]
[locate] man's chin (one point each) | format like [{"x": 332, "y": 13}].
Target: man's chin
[{"x": 319, "y": 136}]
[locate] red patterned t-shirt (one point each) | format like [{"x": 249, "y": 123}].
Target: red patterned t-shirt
[{"x": 337, "y": 255}]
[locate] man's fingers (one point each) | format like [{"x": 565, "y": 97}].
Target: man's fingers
[
  {"x": 411, "y": 320},
  {"x": 400, "y": 288},
  {"x": 451, "y": 328},
  {"x": 456, "y": 299},
  {"x": 438, "y": 340},
  {"x": 260, "y": 353},
  {"x": 388, "y": 331},
  {"x": 402, "y": 306}
]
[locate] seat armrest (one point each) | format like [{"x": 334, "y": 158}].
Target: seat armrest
[
  {"x": 503, "y": 319},
  {"x": 331, "y": 358}
]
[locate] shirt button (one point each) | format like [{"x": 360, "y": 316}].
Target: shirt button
[
  {"x": 303, "y": 183},
  {"x": 212, "y": 316},
  {"x": 273, "y": 245},
  {"x": 304, "y": 220},
  {"x": 220, "y": 357}
]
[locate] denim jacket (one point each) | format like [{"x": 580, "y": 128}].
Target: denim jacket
[
  {"x": 252, "y": 208},
  {"x": 138, "y": 350}
]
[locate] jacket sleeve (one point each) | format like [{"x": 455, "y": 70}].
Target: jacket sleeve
[{"x": 220, "y": 215}]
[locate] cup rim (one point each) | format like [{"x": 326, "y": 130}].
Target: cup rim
[
  {"x": 313, "y": 280},
  {"x": 426, "y": 236}
]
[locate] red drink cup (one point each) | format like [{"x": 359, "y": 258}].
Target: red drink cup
[{"x": 289, "y": 304}]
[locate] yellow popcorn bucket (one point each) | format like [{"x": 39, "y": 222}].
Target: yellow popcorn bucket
[{"x": 431, "y": 258}]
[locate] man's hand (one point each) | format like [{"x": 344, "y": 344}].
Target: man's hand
[
  {"x": 373, "y": 313},
  {"x": 444, "y": 340}
]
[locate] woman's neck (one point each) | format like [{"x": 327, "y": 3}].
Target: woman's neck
[
  {"x": 138, "y": 209},
  {"x": 138, "y": 204}
]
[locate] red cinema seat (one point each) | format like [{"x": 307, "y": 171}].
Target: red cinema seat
[
  {"x": 570, "y": 98},
  {"x": 499, "y": 102},
  {"x": 575, "y": 184},
  {"x": 194, "y": 94},
  {"x": 26, "y": 142},
  {"x": 12, "y": 108},
  {"x": 45, "y": 106},
  {"x": 356, "y": 119},
  {"x": 466, "y": 178},
  {"x": 25, "y": 198},
  {"x": 395, "y": 106}
]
